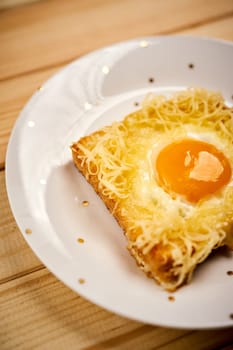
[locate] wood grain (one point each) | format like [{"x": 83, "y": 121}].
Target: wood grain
[
  {"x": 36, "y": 34},
  {"x": 15, "y": 255},
  {"x": 64, "y": 319}
]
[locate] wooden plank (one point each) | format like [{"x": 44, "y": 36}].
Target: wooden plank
[
  {"x": 40, "y": 312},
  {"x": 16, "y": 258},
  {"x": 15, "y": 92},
  {"x": 48, "y": 314},
  {"x": 221, "y": 30},
  {"x": 57, "y": 31}
]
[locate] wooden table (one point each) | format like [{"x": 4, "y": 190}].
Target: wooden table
[{"x": 36, "y": 310}]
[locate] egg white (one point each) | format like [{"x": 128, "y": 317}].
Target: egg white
[{"x": 148, "y": 187}]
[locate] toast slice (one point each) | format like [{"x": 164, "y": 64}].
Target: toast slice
[{"x": 167, "y": 236}]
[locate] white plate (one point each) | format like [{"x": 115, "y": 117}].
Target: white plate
[{"x": 46, "y": 191}]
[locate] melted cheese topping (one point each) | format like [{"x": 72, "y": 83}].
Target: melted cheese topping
[{"x": 120, "y": 156}]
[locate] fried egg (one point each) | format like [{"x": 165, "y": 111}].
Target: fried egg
[{"x": 192, "y": 168}]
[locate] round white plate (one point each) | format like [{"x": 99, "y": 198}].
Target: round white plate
[{"x": 46, "y": 191}]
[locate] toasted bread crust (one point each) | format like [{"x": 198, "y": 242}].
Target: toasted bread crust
[{"x": 93, "y": 181}]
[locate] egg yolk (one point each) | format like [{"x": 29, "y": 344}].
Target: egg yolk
[{"x": 192, "y": 168}]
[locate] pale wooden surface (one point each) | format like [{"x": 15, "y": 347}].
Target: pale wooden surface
[{"x": 36, "y": 310}]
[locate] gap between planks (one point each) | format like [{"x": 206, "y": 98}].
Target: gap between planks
[
  {"x": 123, "y": 338},
  {"x": 22, "y": 274}
]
